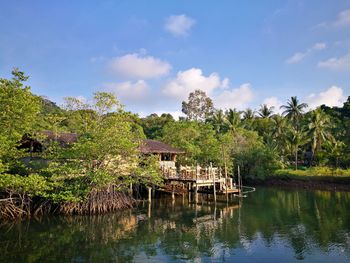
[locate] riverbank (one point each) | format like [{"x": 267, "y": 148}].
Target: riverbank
[{"x": 315, "y": 178}]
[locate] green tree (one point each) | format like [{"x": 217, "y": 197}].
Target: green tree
[
  {"x": 233, "y": 120},
  {"x": 218, "y": 121},
  {"x": 296, "y": 138},
  {"x": 199, "y": 106},
  {"x": 105, "y": 154},
  {"x": 153, "y": 125},
  {"x": 197, "y": 139},
  {"x": 265, "y": 111},
  {"x": 319, "y": 125},
  {"x": 294, "y": 110}
]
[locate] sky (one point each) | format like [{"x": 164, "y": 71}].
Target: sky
[{"x": 152, "y": 54}]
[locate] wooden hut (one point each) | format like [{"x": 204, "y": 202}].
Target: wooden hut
[
  {"x": 165, "y": 152},
  {"x": 38, "y": 145}
]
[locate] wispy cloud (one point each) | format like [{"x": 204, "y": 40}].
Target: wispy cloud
[
  {"x": 336, "y": 63},
  {"x": 299, "y": 56},
  {"x": 179, "y": 25},
  {"x": 139, "y": 66},
  {"x": 342, "y": 20}
]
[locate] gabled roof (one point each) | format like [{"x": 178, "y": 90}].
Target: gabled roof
[
  {"x": 63, "y": 138},
  {"x": 153, "y": 146}
]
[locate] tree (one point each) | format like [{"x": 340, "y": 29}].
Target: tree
[
  {"x": 319, "y": 125},
  {"x": 233, "y": 119},
  {"x": 296, "y": 138},
  {"x": 153, "y": 125},
  {"x": 248, "y": 114},
  {"x": 106, "y": 151},
  {"x": 218, "y": 121},
  {"x": 199, "y": 106},
  {"x": 19, "y": 111},
  {"x": 265, "y": 111},
  {"x": 294, "y": 110},
  {"x": 197, "y": 139}
]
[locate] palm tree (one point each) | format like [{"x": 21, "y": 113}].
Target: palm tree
[
  {"x": 294, "y": 110},
  {"x": 335, "y": 149},
  {"x": 318, "y": 129},
  {"x": 218, "y": 121},
  {"x": 296, "y": 138},
  {"x": 265, "y": 111},
  {"x": 248, "y": 114},
  {"x": 233, "y": 119},
  {"x": 279, "y": 131}
]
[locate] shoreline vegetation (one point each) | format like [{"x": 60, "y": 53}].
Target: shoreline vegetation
[
  {"x": 314, "y": 178},
  {"x": 84, "y": 157}
]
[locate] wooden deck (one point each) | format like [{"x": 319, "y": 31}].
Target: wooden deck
[{"x": 195, "y": 178}]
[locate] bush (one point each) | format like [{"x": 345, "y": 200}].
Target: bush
[{"x": 257, "y": 163}]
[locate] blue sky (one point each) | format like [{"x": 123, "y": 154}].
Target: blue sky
[{"x": 153, "y": 53}]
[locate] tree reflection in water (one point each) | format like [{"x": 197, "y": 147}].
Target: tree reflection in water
[{"x": 269, "y": 224}]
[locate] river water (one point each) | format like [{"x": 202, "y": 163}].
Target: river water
[{"x": 269, "y": 225}]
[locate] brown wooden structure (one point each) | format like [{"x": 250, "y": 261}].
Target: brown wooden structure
[{"x": 165, "y": 152}]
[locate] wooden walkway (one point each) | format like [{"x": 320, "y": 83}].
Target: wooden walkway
[{"x": 196, "y": 178}]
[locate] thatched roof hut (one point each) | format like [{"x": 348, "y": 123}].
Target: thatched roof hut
[
  {"x": 167, "y": 154},
  {"x": 157, "y": 147}
]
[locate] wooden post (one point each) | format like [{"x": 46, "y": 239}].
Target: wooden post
[
  {"x": 149, "y": 194},
  {"x": 213, "y": 174},
  {"x": 130, "y": 189},
  {"x": 226, "y": 183},
  {"x": 196, "y": 194},
  {"x": 172, "y": 193},
  {"x": 239, "y": 181}
]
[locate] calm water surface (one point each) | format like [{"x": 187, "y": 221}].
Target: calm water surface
[{"x": 270, "y": 225}]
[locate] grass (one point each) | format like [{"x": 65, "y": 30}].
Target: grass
[{"x": 324, "y": 174}]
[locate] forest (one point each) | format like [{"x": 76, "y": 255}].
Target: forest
[{"x": 104, "y": 161}]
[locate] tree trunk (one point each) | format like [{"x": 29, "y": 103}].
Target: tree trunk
[{"x": 296, "y": 159}]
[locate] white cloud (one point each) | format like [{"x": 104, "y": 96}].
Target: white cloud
[
  {"x": 333, "y": 96},
  {"x": 128, "y": 91},
  {"x": 336, "y": 63},
  {"x": 235, "y": 98},
  {"x": 318, "y": 46},
  {"x": 299, "y": 56},
  {"x": 273, "y": 102},
  {"x": 343, "y": 18},
  {"x": 176, "y": 114},
  {"x": 139, "y": 66},
  {"x": 179, "y": 25},
  {"x": 189, "y": 80}
]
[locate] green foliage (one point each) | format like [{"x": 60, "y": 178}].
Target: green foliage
[
  {"x": 153, "y": 125},
  {"x": 317, "y": 173},
  {"x": 257, "y": 163},
  {"x": 19, "y": 110},
  {"x": 199, "y": 106},
  {"x": 32, "y": 185},
  {"x": 196, "y": 139}
]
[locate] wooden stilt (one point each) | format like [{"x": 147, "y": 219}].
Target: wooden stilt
[
  {"x": 130, "y": 189},
  {"x": 196, "y": 194},
  {"x": 173, "y": 193},
  {"x": 214, "y": 183},
  {"x": 149, "y": 194}
]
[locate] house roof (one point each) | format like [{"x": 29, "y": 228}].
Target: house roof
[
  {"x": 63, "y": 138},
  {"x": 153, "y": 146}
]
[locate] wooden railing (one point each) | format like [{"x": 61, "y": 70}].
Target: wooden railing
[{"x": 192, "y": 173}]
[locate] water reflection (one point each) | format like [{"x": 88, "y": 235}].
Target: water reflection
[{"x": 268, "y": 225}]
